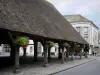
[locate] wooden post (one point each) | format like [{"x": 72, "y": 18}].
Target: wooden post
[
  {"x": 67, "y": 53},
  {"x": 62, "y": 55},
  {"x": 45, "y": 55},
  {"x": 12, "y": 53},
  {"x": 86, "y": 50},
  {"x": 59, "y": 52},
  {"x": 73, "y": 49},
  {"x": 35, "y": 50},
  {"x": 16, "y": 57},
  {"x": 81, "y": 47},
  {"x": 16, "y": 70},
  {"x": 80, "y": 51},
  {"x": 24, "y": 50},
  {"x": 49, "y": 49}
]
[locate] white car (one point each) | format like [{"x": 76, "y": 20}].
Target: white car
[{"x": 0, "y": 49}]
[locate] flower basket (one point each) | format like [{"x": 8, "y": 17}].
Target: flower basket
[
  {"x": 21, "y": 41},
  {"x": 50, "y": 43}
]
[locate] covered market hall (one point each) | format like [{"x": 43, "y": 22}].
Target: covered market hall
[{"x": 40, "y": 21}]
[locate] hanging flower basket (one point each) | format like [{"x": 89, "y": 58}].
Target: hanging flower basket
[
  {"x": 50, "y": 43},
  {"x": 22, "y": 41}
]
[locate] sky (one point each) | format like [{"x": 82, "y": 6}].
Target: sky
[{"x": 87, "y": 8}]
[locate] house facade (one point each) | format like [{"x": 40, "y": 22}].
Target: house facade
[
  {"x": 86, "y": 28},
  {"x": 99, "y": 40},
  {"x": 30, "y": 49}
]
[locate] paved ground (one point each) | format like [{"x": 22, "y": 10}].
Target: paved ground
[
  {"x": 91, "y": 68},
  {"x": 36, "y": 68}
]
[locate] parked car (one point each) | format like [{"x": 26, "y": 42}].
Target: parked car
[{"x": 0, "y": 49}]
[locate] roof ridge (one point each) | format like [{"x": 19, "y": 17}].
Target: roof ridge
[
  {"x": 76, "y": 17},
  {"x": 72, "y": 15},
  {"x": 84, "y": 18}
]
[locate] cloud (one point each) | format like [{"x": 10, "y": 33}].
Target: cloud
[{"x": 87, "y": 8}]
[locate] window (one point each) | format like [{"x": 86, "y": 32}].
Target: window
[
  {"x": 85, "y": 29},
  {"x": 78, "y": 29},
  {"x": 86, "y": 37}
]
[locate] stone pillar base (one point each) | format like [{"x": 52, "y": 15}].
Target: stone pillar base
[
  {"x": 35, "y": 59},
  {"x": 80, "y": 58},
  {"x": 16, "y": 71},
  {"x": 46, "y": 65},
  {"x": 49, "y": 57},
  {"x": 72, "y": 58},
  {"x": 62, "y": 62}
]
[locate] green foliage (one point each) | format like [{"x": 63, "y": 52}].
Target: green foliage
[
  {"x": 50, "y": 43},
  {"x": 21, "y": 41}
]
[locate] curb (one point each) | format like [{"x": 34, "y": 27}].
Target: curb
[{"x": 72, "y": 67}]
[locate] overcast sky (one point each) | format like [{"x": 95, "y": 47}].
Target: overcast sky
[{"x": 87, "y": 8}]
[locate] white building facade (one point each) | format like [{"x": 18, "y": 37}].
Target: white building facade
[
  {"x": 30, "y": 49},
  {"x": 87, "y": 29}
]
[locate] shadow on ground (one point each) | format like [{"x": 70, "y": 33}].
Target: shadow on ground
[{"x": 28, "y": 61}]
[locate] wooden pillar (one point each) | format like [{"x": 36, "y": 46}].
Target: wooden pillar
[
  {"x": 86, "y": 49},
  {"x": 16, "y": 70},
  {"x": 86, "y": 55},
  {"x": 81, "y": 47},
  {"x": 12, "y": 53},
  {"x": 24, "y": 50},
  {"x": 49, "y": 49},
  {"x": 80, "y": 53},
  {"x": 73, "y": 49},
  {"x": 67, "y": 51},
  {"x": 45, "y": 55},
  {"x": 16, "y": 54},
  {"x": 35, "y": 50},
  {"x": 72, "y": 54},
  {"x": 59, "y": 52},
  {"x": 62, "y": 55}
]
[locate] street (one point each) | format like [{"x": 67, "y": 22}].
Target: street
[{"x": 91, "y": 68}]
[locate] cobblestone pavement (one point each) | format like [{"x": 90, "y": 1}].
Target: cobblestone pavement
[{"x": 38, "y": 69}]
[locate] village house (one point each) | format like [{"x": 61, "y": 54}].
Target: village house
[
  {"x": 30, "y": 49},
  {"x": 87, "y": 29}
]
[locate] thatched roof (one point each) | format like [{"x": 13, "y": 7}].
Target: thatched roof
[{"x": 36, "y": 17}]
